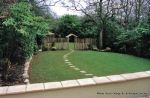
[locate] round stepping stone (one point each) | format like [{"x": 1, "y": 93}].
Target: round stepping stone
[
  {"x": 89, "y": 74},
  {"x": 83, "y": 71}
]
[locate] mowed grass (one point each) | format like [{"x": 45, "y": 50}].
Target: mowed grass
[
  {"x": 107, "y": 63},
  {"x": 50, "y": 66}
]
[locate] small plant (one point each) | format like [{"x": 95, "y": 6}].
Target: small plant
[
  {"x": 53, "y": 48},
  {"x": 45, "y": 48},
  {"x": 92, "y": 47}
]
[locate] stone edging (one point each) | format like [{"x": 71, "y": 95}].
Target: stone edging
[
  {"x": 18, "y": 89},
  {"x": 26, "y": 68}
]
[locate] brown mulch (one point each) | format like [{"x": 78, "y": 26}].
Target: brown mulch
[{"x": 14, "y": 76}]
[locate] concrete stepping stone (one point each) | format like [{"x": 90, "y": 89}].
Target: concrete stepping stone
[
  {"x": 72, "y": 66},
  {"x": 66, "y": 60},
  {"x": 76, "y": 69},
  {"x": 89, "y": 74},
  {"x": 83, "y": 71}
]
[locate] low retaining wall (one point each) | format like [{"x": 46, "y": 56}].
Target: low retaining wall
[
  {"x": 132, "y": 85},
  {"x": 26, "y": 68}
]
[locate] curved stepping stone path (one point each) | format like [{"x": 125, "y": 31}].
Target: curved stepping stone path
[{"x": 74, "y": 67}]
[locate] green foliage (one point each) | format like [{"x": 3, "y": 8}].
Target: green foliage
[
  {"x": 111, "y": 31},
  {"x": 26, "y": 26},
  {"x": 137, "y": 40},
  {"x": 68, "y": 24},
  {"x": 88, "y": 28},
  {"x": 133, "y": 35},
  {"x": 81, "y": 26},
  {"x": 21, "y": 33}
]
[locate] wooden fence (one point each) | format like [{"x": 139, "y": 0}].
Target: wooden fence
[
  {"x": 63, "y": 43},
  {"x": 60, "y": 43},
  {"x": 84, "y": 43}
]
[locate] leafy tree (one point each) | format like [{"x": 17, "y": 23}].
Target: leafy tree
[
  {"x": 68, "y": 24},
  {"x": 88, "y": 27},
  {"x": 26, "y": 26},
  {"x": 136, "y": 40}
]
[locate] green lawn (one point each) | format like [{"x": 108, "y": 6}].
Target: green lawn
[
  {"x": 49, "y": 66},
  {"x": 107, "y": 63}
]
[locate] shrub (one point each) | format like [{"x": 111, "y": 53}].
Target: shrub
[
  {"x": 92, "y": 47},
  {"x": 53, "y": 48},
  {"x": 45, "y": 48},
  {"x": 26, "y": 26},
  {"x": 5, "y": 65}
]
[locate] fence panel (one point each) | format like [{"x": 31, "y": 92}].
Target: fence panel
[{"x": 84, "y": 43}]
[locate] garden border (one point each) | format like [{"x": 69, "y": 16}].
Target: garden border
[
  {"x": 26, "y": 69},
  {"x": 18, "y": 89}
]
